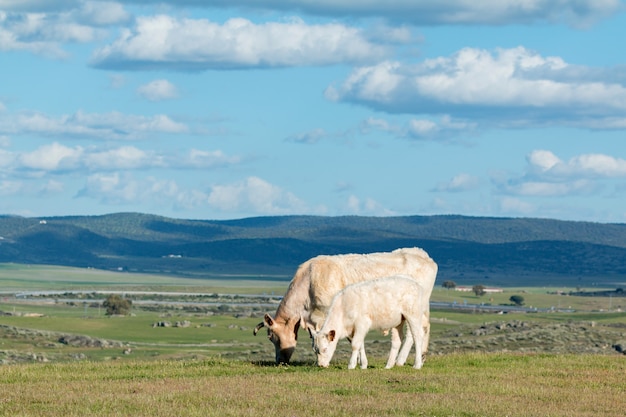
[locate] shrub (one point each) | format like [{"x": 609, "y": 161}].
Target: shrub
[
  {"x": 117, "y": 305},
  {"x": 518, "y": 300}
]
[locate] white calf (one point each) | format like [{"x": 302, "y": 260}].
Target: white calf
[{"x": 382, "y": 304}]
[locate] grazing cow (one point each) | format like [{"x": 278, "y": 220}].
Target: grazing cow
[
  {"x": 317, "y": 280},
  {"x": 383, "y": 303}
]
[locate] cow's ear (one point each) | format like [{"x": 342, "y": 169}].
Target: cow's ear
[
  {"x": 259, "y": 327},
  {"x": 296, "y": 327},
  {"x": 308, "y": 326},
  {"x": 331, "y": 335},
  {"x": 302, "y": 323},
  {"x": 269, "y": 321}
]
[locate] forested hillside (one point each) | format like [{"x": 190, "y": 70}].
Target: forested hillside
[{"x": 492, "y": 251}]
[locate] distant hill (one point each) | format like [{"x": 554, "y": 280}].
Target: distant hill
[{"x": 469, "y": 250}]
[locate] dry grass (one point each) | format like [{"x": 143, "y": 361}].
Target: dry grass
[{"x": 473, "y": 384}]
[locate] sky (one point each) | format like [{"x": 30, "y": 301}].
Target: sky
[{"x": 226, "y": 109}]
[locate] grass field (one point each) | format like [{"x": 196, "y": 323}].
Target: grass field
[
  {"x": 479, "y": 364},
  {"x": 16, "y": 277},
  {"x": 453, "y": 385}
]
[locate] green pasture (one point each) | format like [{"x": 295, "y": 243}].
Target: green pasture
[
  {"x": 226, "y": 334},
  {"x": 217, "y": 367},
  {"x": 539, "y": 297},
  {"x": 206, "y": 334},
  {"x": 17, "y": 277},
  {"x": 469, "y": 385}
]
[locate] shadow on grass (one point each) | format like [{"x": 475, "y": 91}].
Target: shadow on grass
[{"x": 294, "y": 364}]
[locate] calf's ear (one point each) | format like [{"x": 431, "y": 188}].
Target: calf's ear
[{"x": 331, "y": 335}]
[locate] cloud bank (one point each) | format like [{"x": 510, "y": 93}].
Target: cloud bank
[
  {"x": 506, "y": 88},
  {"x": 166, "y": 42},
  {"x": 432, "y": 12}
]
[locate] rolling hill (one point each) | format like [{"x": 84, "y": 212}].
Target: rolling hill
[{"x": 469, "y": 250}]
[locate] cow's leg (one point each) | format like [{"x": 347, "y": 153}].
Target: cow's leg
[
  {"x": 406, "y": 348},
  {"x": 426, "y": 326},
  {"x": 417, "y": 330},
  {"x": 396, "y": 341}
]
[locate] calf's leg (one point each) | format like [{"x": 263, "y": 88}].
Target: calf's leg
[
  {"x": 417, "y": 330},
  {"x": 406, "y": 348},
  {"x": 358, "y": 349},
  {"x": 396, "y": 341}
]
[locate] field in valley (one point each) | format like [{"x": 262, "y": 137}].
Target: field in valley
[{"x": 63, "y": 356}]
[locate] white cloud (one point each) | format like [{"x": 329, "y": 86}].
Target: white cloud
[
  {"x": 123, "y": 158},
  {"x": 109, "y": 126},
  {"x": 53, "y": 157},
  {"x": 206, "y": 159},
  {"x": 443, "y": 128},
  {"x": 166, "y": 42},
  {"x": 310, "y": 137},
  {"x": 7, "y": 159},
  {"x": 436, "y": 12},
  {"x": 117, "y": 81},
  {"x": 252, "y": 195},
  {"x": 41, "y": 27},
  {"x": 101, "y": 13},
  {"x": 546, "y": 164},
  {"x": 158, "y": 90},
  {"x": 547, "y": 175},
  {"x": 38, "y": 5},
  {"x": 8, "y": 187},
  {"x": 543, "y": 160},
  {"x": 124, "y": 189},
  {"x": 460, "y": 182},
  {"x": 112, "y": 188},
  {"x": 52, "y": 187},
  {"x": 501, "y": 89},
  {"x": 41, "y": 33},
  {"x": 12, "y": 38},
  {"x": 550, "y": 189},
  {"x": 511, "y": 205},
  {"x": 373, "y": 123},
  {"x": 56, "y": 158},
  {"x": 366, "y": 207},
  {"x": 256, "y": 195}
]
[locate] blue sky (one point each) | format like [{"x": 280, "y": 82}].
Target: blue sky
[{"x": 223, "y": 109}]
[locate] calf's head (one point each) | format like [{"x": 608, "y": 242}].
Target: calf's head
[
  {"x": 324, "y": 345},
  {"x": 284, "y": 336}
]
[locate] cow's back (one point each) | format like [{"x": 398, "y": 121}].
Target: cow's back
[{"x": 330, "y": 274}]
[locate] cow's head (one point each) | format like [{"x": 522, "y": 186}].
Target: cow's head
[{"x": 284, "y": 336}]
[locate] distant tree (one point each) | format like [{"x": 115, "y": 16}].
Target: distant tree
[
  {"x": 449, "y": 285},
  {"x": 117, "y": 305},
  {"x": 479, "y": 290},
  {"x": 518, "y": 300}
]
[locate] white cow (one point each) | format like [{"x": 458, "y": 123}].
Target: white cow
[
  {"x": 383, "y": 303},
  {"x": 317, "y": 280}
]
